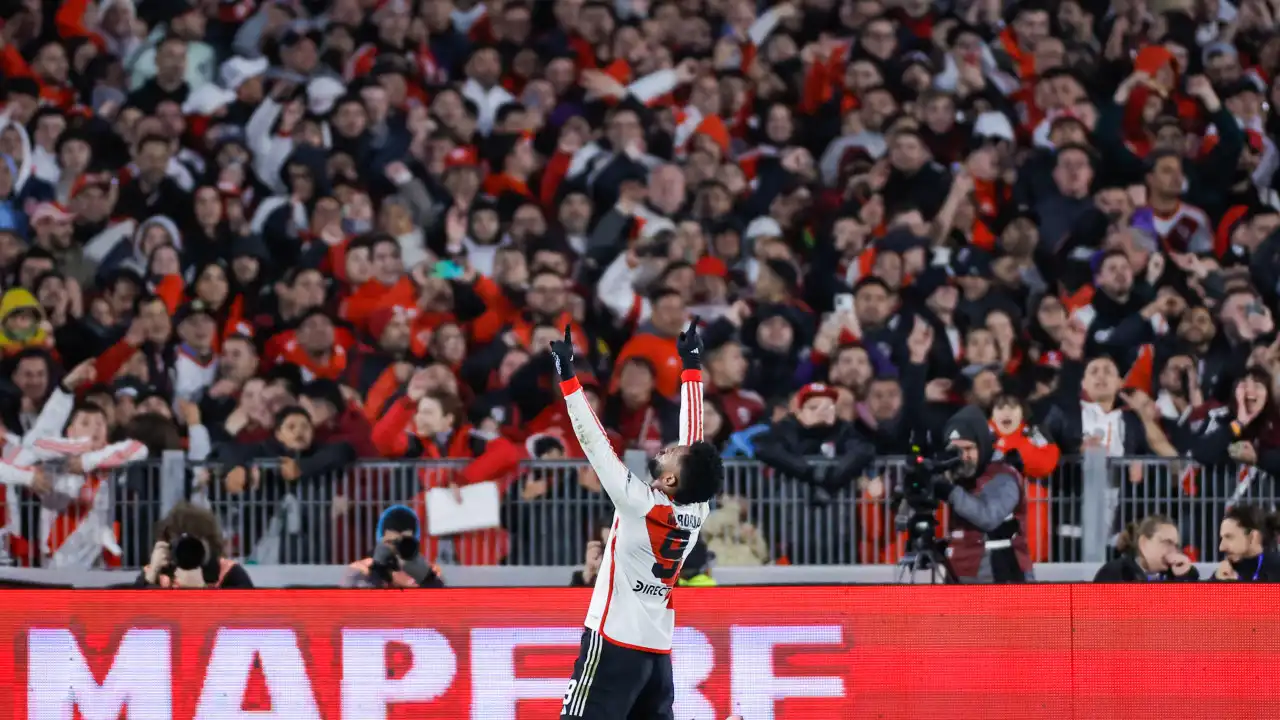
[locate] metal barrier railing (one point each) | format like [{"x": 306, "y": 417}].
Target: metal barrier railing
[
  {"x": 549, "y": 510},
  {"x": 1193, "y": 496}
]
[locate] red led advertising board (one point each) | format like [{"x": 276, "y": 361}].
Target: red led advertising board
[{"x": 768, "y": 653}]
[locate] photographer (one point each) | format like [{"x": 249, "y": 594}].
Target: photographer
[
  {"x": 1150, "y": 553},
  {"x": 988, "y": 506},
  {"x": 188, "y": 553},
  {"x": 396, "y": 561}
]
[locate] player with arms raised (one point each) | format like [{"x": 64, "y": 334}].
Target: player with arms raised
[{"x": 623, "y": 670}]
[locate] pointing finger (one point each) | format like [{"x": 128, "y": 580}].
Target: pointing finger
[
  {"x": 568, "y": 334},
  {"x": 693, "y": 323}
]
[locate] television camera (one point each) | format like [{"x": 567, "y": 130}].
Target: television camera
[{"x": 917, "y": 507}]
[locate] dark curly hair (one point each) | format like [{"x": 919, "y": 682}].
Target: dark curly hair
[
  {"x": 188, "y": 519},
  {"x": 701, "y": 474},
  {"x": 1252, "y": 517}
]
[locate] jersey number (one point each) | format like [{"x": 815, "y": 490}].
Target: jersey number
[
  {"x": 670, "y": 554},
  {"x": 568, "y": 695}
]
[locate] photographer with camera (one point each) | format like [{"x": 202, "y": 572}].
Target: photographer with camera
[
  {"x": 396, "y": 561},
  {"x": 188, "y": 553},
  {"x": 988, "y": 505}
]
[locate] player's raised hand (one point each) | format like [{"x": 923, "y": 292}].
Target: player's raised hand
[
  {"x": 562, "y": 351},
  {"x": 689, "y": 345}
]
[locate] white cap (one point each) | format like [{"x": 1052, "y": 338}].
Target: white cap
[
  {"x": 207, "y": 100},
  {"x": 653, "y": 226},
  {"x": 322, "y": 93},
  {"x": 763, "y": 226},
  {"x": 993, "y": 124},
  {"x": 237, "y": 70}
]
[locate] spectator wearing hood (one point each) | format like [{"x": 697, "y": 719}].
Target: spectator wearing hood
[
  {"x": 287, "y": 221},
  {"x": 775, "y": 337},
  {"x": 22, "y": 323}
]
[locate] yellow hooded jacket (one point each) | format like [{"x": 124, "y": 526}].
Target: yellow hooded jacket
[{"x": 16, "y": 299}]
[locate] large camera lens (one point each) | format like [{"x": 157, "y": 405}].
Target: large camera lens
[
  {"x": 188, "y": 552},
  {"x": 407, "y": 547}
]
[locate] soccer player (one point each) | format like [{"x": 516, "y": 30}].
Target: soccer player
[{"x": 623, "y": 670}]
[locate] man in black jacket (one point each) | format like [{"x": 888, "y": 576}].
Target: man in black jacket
[
  {"x": 796, "y": 447},
  {"x": 814, "y": 431}
]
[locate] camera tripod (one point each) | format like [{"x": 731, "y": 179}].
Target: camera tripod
[{"x": 925, "y": 552}]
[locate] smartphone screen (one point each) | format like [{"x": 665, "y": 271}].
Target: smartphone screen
[{"x": 447, "y": 269}]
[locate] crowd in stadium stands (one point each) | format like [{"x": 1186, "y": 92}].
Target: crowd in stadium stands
[{"x": 317, "y": 231}]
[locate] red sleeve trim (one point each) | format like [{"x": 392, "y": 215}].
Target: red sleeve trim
[
  {"x": 570, "y": 386},
  {"x": 694, "y": 375}
]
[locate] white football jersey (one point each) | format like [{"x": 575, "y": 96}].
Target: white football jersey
[{"x": 631, "y": 605}]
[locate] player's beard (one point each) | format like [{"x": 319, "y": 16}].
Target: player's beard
[{"x": 655, "y": 470}]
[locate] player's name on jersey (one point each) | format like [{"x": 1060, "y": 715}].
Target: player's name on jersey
[{"x": 688, "y": 522}]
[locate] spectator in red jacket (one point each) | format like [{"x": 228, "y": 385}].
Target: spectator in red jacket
[
  {"x": 1039, "y": 458},
  {"x": 426, "y": 425}
]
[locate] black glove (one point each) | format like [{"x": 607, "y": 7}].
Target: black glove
[
  {"x": 562, "y": 351},
  {"x": 1013, "y": 459},
  {"x": 942, "y": 489},
  {"x": 689, "y": 345}
]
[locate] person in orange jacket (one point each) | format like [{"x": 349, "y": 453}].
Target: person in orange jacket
[{"x": 1039, "y": 458}]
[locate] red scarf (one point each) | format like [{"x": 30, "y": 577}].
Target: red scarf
[{"x": 331, "y": 370}]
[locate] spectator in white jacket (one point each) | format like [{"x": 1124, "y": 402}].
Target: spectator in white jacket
[{"x": 64, "y": 460}]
